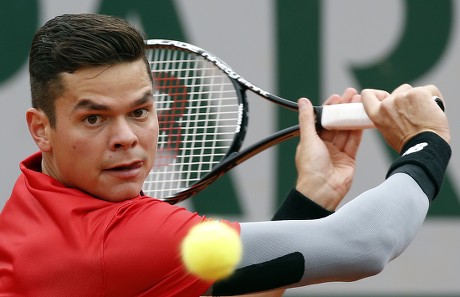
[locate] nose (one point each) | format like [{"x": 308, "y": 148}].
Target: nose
[{"x": 123, "y": 135}]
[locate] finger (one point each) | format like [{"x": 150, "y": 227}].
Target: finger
[
  {"x": 348, "y": 141},
  {"x": 338, "y": 138},
  {"x": 329, "y": 135},
  {"x": 435, "y": 92},
  {"x": 402, "y": 89},
  {"x": 356, "y": 98},
  {"x": 348, "y": 95},
  {"x": 371, "y": 100},
  {"x": 333, "y": 99},
  {"x": 352, "y": 143},
  {"x": 345, "y": 98},
  {"x": 378, "y": 94},
  {"x": 306, "y": 119}
]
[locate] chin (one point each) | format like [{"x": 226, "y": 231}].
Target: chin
[{"x": 118, "y": 195}]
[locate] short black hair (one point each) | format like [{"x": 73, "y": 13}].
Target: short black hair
[{"x": 73, "y": 41}]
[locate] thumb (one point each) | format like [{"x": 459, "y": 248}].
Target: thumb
[{"x": 306, "y": 119}]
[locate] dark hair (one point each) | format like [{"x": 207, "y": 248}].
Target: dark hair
[{"x": 73, "y": 41}]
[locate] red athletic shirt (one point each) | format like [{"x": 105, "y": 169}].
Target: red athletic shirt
[{"x": 58, "y": 241}]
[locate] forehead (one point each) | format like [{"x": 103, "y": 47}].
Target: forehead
[{"x": 110, "y": 84}]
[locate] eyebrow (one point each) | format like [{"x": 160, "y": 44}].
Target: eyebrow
[{"x": 88, "y": 104}]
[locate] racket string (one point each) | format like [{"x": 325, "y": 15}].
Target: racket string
[{"x": 198, "y": 115}]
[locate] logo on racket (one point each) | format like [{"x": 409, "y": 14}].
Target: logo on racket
[{"x": 171, "y": 99}]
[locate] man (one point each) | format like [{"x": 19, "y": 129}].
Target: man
[{"x": 77, "y": 225}]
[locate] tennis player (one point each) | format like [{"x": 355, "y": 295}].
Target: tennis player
[{"x": 77, "y": 224}]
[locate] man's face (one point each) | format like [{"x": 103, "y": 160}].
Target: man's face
[{"x": 105, "y": 138}]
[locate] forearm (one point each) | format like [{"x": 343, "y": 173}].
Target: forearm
[
  {"x": 294, "y": 207},
  {"x": 356, "y": 242}
]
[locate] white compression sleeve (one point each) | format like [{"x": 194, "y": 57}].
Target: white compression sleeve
[{"x": 355, "y": 242}]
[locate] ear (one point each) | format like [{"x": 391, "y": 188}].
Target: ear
[{"x": 39, "y": 128}]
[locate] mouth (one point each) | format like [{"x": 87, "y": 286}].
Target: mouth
[
  {"x": 128, "y": 170},
  {"x": 127, "y": 167}
]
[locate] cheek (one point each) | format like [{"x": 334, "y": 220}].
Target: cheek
[
  {"x": 77, "y": 149},
  {"x": 149, "y": 134},
  {"x": 149, "y": 140},
  {"x": 81, "y": 145},
  {"x": 76, "y": 160}
]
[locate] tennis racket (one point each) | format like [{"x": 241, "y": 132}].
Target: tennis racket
[{"x": 203, "y": 116}]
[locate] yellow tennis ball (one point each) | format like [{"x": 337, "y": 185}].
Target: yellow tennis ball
[{"x": 211, "y": 250}]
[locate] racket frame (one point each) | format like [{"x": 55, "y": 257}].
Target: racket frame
[{"x": 234, "y": 156}]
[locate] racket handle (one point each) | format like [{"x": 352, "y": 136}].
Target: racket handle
[{"x": 350, "y": 116}]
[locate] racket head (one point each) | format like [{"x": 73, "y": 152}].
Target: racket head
[{"x": 202, "y": 114}]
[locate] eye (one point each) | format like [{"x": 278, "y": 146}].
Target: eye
[
  {"x": 93, "y": 120},
  {"x": 140, "y": 113}
]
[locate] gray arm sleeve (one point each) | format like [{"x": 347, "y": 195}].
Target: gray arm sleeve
[{"x": 356, "y": 241}]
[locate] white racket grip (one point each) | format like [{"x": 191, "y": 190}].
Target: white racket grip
[{"x": 347, "y": 116}]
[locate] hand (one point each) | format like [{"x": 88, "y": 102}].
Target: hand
[
  {"x": 326, "y": 160},
  {"x": 405, "y": 112}
]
